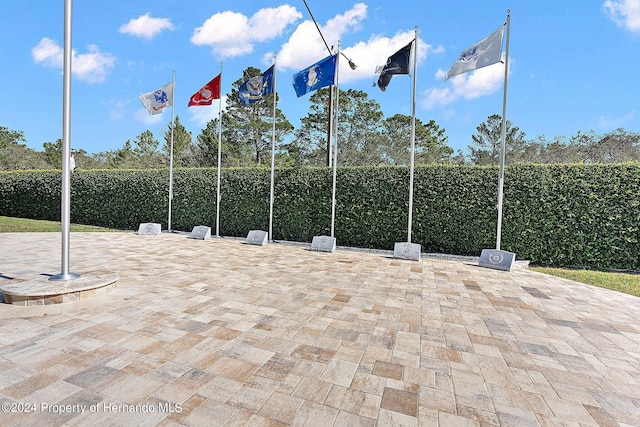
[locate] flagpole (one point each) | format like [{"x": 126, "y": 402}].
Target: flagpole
[
  {"x": 413, "y": 133},
  {"x": 273, "y": 152},
  {"x": 219, "y": 156},
  {"x": 335, "y": 148},
  {"x": 173, "y": 90},
  {"x": 504, "y": 133},
  {"x": 65, "y": 210}
]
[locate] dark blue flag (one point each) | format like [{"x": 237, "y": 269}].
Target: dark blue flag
[
  {"x": 320, "y": 74},
  {"x": 254, "y": 89},
  {"x": 398, "y": 63}
]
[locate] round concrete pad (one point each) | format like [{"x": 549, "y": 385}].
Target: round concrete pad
[{"x": 42, "y": 291}]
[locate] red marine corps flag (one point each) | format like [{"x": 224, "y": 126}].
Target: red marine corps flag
[{"x": 207, "y": 93}]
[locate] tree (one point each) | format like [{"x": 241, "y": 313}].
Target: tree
[
  {"x": 183, "y": 147},
  {"x": 10, "y": 137},
  {"x": 358, "y": 124},
  {"x": 430, "y": 141},
  {"x": 207, "y": 145},
  {"x": 53, "y": 153},
  {"x": 21, "y": 157},
  {"x": 84, "y": 161},
  {"x": 359, "y": 120},
  {"x": 614, "y": 147},
  {"x": 485, "y": 149},
  {"x": 559, "y": 150},
  {"x": 120, "y": 158},
  {"x": 309, "y": 146},
  {"x": 247, "y": 129},
  {"x": 145, "y": 145}
]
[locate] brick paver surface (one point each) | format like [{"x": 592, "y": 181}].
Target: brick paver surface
[{"x": 217, "y": 332}]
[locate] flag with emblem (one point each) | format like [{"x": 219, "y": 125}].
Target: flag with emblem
[
  {"x": 155, "y": 101},
  {"x": 207, "y": 93},
  {"x": 486, "y": 52},
  {"x": 398, "y": 63},
  {"x": 317, "y": 76},
  {"x": 254, "y": 89}
]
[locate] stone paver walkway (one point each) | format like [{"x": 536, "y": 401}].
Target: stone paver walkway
[{"x": 217, "y": 332}]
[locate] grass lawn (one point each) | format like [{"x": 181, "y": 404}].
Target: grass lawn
[
  {"x": 622, "y": 282},
  {"x": 15, "y": 225}
]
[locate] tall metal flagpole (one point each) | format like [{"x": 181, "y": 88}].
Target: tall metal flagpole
[
  {"x": 413, "y": 133},
  {"x": 173, "y": 125},
  {"x": 504, "y": 133},
  {"x": 273, "y": 152},
  {"x": 219, "y": 156},
  {"x": 65, "y": 210},
  {"x": 335, "y": 148}
]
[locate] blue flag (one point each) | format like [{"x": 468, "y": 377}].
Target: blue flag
[
  {"x": 254, "y": 89},
  {"x": 320, "y": 74}
]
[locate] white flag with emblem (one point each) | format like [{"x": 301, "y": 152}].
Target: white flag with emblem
[
  {"x": 486, "y": 52},
  {"x": 155, "y": 101}
]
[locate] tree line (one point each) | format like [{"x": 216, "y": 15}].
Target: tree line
[{"x": 365, "y": 138}]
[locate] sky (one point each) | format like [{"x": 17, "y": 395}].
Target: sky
[{"x": 572, "y": 64}]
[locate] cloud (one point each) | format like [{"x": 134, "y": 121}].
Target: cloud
[
  {"x": 117, "y": 109},
  {"x": 471, "y": 85},
  {"x": 305, "y": 46},
  {"x": 625, "y": 13},
  {"x": 616, "y": 122},
  {"x": 204, "y": 114},
  {"x": 91, "y": 67},
  {"x": 233, "y": 34},
  {"x": 142, "y": 115},
  {"x": 146, "y": 27}
]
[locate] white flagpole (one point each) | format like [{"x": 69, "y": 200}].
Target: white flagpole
[
  {"x": 273, "y": 152},
  {"x": 504, "y": 132},
  {"x": 413, "y": 133},
  {"x": 335, "y": 149},
  {"x": 65, "y": 210},
  {"x": 219, "y": 156},
  {"x": 173, "y": 90}
]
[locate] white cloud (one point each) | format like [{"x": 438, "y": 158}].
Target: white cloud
[
  {"x": 204, "y": 114},
  {"x": 233, "y": 34},
  {"x": 625, "y": 13},
  {"x": 146, "y": 27},
  {"x": 91, "y": 67},
  {"x": 142, "y": 115},
  {"x": 305, "y": 46},
  {"x": 471, "y": 85},
  {"x": 616, "y": 122},
  {"x": 117, "y": 109}
]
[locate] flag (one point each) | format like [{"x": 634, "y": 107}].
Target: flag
[
  {"x": 155, "y": 101},
  {"x": 486, "y": 52},
  {"x": 254, "y": 89},
  {"x": 206, "y": 94},
  {"x": 398, "y": 63},
  {"x": 320, "y": 74}
]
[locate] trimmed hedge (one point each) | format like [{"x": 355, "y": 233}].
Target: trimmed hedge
[{"x": 586, "y": 215}]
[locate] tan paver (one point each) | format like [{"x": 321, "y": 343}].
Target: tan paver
[{"x": 216, "y": 332}]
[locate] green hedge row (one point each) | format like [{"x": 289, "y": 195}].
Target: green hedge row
[{"x": 585, "y": 215}]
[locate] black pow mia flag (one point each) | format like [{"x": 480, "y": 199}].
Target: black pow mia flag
[{"x": 398, "y": 63}]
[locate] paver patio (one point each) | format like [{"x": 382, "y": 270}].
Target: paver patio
[{"x": 217, "y": 332}]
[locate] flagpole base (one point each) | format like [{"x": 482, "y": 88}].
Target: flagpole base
[
  {"x": 64, "y": 276},
  {"x": 323, "y": 244},
  {"x": 407, "y": 250},
  {"x": 257, "y": 237},
  {"x": 497, "y": 259}
]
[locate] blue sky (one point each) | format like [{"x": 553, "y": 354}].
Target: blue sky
[{"x": 571, "y": 64}]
